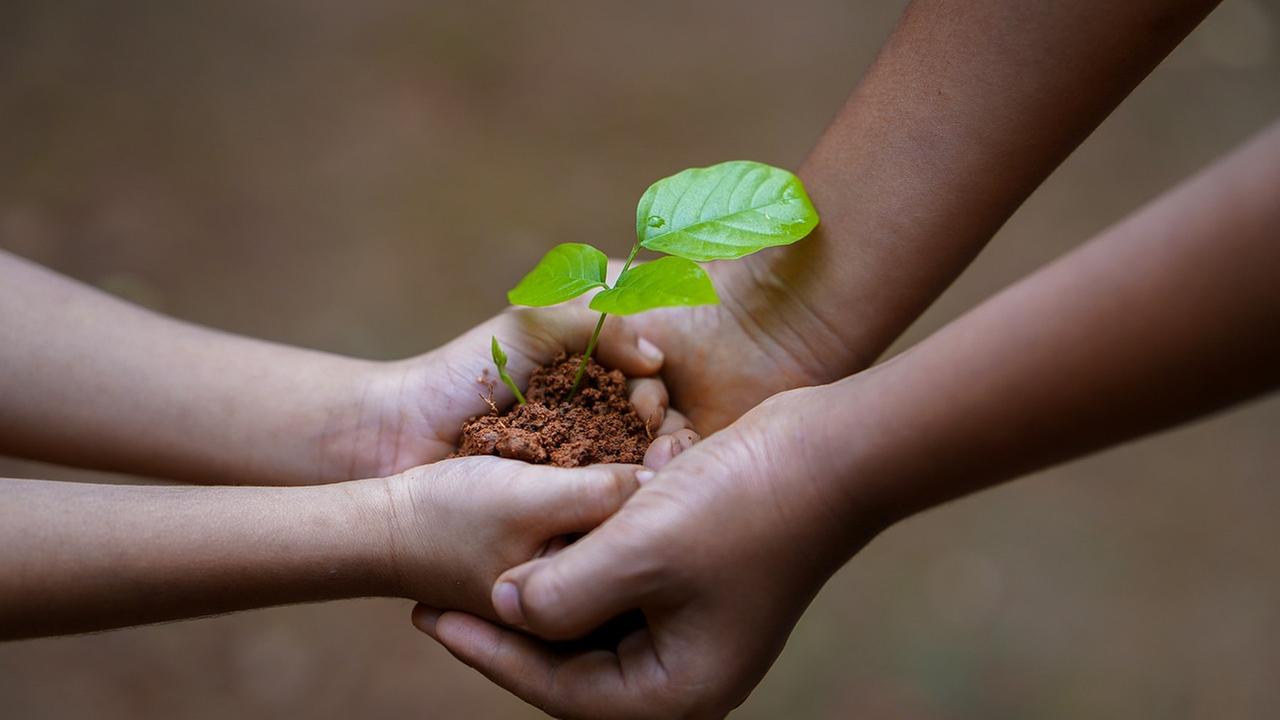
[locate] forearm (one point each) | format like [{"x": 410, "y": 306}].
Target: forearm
[
  {"x": 89, "y": 380},
  {"x": 969, "y": 106},
  {"x": 80, "y": 557},
  {"x": 1169, "y": 315}
]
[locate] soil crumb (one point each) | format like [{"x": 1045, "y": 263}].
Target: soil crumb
[{"x": 599, "y": 426}]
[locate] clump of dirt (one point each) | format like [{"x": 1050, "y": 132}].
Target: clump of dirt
[{"x": 598, "y": 426}]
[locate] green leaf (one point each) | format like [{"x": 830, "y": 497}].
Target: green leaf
[
  {"x": 565, "y": 272},
  {"x": 500, "y": 360},
  {"x": 499, "y": 357},
  {"x": 724, "y": 211},
  {"x": 665, "y": 282}
]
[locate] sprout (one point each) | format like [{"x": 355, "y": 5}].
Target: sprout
[{"x": 722, "y": 212}]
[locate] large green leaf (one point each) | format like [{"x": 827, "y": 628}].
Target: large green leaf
[
  {"x": 565, "y": 272},
  {"x": 665, "y": 282},
  {"x": 724, "y": 211}
]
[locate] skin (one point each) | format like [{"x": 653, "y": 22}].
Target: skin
[
  {"x": 985, "y": 96},
  {"x": 91, "y": 381},
  {"x": 969, "y": 106},
  {"x": 1163, "y": 318},
  {"x": 81, "y": 557}
]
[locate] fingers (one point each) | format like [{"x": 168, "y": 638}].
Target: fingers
[
  {"x": 621, "y": 348},
  {"x": 537, "y": 335},
  {"x": 665, "y": 448},
  {"x": 518, "y": 663},
  {"x": 424, "y": 618},
  {"x": 575, "y": 500},
  {"x": 585, "y": 685},
  {"x": 649, "y": 398},
  {"x": 565, "y": 596},
  {"x": 674, "y": 420},
  {"x": 554, "y": 545}
]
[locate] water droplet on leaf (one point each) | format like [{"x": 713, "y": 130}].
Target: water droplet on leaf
[{"x": 655, "y": 222}]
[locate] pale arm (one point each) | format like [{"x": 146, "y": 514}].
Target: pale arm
[
  {"x": 78, "y": 557},
  {"x": 89, "y": 380},
  {"x": 81, "y": 557}
]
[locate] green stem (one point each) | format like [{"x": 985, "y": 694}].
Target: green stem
[
  {"x": 595, "y": 336},
  {"x": 506, "y": 379},
  {"x": 582, "y": 366}
]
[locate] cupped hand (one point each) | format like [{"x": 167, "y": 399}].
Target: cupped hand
[
  {"x": 411, "y": 412},
  {"x": 455, "y": 525},
  {"x": 722, "y": 550},
  {"x": 761, "y": 339}
]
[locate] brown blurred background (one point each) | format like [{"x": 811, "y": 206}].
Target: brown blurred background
[{"x": 368, "y": 178}]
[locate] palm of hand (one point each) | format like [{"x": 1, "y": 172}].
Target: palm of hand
[{"x": 413, "y": 412}]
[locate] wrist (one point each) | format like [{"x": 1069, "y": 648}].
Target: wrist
[
  {"x": 290, "y": 416},
  {"x": 771, "y": 296},
  {"x": 887, "y": 455},
  {"x": 362, "y": 535},
  {"x": 355, "y": 429}
]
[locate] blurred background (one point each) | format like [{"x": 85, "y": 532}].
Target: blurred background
[{"x": 368, "y": 178}]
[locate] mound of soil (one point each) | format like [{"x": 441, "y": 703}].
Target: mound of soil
[{"x": 598, "y": 426}]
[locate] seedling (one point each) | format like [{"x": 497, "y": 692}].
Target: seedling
[
  {"x": 500, "y": 360},
  {"x": 722, "y": 212}
]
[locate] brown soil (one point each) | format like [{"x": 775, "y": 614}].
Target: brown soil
[{"x": 598, "y": 426}]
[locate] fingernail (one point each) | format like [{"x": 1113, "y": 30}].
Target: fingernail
[
  {"x": 644, "y": 476},
  {"x": 506, "y": 602},
  {"x": 424, "y": 618},
  {"x": 650, "y": 351}
]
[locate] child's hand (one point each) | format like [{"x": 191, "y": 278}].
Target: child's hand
[
  {"x": 410, "y": 412},
  {"x": 454, "y": 526}
]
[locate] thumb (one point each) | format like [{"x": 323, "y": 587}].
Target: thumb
[
  {"x": 567, "y": 595},
  {"x": 576, "y": 500}
]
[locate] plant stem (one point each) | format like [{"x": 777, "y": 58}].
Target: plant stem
[
  {"x": 514, "y": 388},
  {"x": 595, "y": 336},
  {"x": 582, "y": 366}
]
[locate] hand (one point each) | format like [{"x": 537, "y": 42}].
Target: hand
[
  {"x": 722, "y": 360},
  {"x": 722, "y": 550},
  {"x": 410, "y": 412},
  {"x": 455, "y": 525}
]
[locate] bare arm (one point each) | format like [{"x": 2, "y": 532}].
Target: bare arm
[
  {"x": 1169, "y": 315},
  {"x": 80, "y": 557},
  {"x": 967, "y": 108},
  {"x": 90, "y": 380},
  {"x": 76, "y": 557}
]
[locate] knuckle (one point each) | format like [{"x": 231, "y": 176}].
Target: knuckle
[
  {"x": 604, "y": 494},
  {"x": 542, "y": 599}
]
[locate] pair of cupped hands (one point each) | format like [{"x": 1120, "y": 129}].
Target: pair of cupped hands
[{"x": 721, "y": 543}]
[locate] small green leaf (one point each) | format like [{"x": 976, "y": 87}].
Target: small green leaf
[
  {"x": 499, "y": 357},
  {"x": 500, "y": 360},
  {"x": 564, "y": 273},
  {"x": 665, "y": 282},
  {"x": 724, "y": 211}
]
